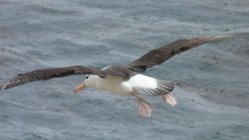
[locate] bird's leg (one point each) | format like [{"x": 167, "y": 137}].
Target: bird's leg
[
  {"x": 143, "y": 107},
  {"x": 170, "y": 99}
]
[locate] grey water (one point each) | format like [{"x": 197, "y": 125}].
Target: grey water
[{"x": 212, "y": 93}]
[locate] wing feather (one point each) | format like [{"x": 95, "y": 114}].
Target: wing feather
[
  {"x": 159, "y": 55},
  {"x": 45, "y": 74}
]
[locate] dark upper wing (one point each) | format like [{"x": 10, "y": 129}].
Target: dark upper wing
[
  {"x": 158, "y": 56},
  {"x": 119, "y": 71},
  {"x": 45, "y": 74}
]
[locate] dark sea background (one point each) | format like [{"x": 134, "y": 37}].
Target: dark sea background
[{"x": 212, "y": 95}]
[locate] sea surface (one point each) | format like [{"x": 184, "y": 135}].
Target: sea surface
[{"x": 213, "y": 80}]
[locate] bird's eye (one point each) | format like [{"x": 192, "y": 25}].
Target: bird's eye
[{"x": 87, "y": 76}]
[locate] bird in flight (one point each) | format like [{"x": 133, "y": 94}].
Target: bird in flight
[{"x": 125, "y": 80}]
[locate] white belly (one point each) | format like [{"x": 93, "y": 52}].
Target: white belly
[{"x": 111, "y": 83}]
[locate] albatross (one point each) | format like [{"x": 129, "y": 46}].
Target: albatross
[{"x": 125, "y": 80}]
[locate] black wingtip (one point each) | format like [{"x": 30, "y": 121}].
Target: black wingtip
[
  {"x": 7, "y": 85},
  {"x": 216, "y": 37},
  {"x": 4, "y": 86},
  {"x": 224, "y": 37}
]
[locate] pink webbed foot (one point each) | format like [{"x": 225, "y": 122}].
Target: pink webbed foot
[
  {"x": 144, "y": 108},
  {"x": 170, "y": 99}
]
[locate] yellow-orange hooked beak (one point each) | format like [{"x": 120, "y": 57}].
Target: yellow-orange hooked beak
[{"x": 79, "y": 87}]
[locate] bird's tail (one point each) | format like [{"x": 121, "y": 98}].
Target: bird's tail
[
  {"x": 162, "y": 88},
  {"x": 165, "y": 86}
]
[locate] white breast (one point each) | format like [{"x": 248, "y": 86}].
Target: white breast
[
  {"x": 118, "y": 85},
  {"x": 113, "y": 84}
]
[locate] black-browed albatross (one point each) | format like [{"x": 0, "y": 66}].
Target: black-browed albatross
[{"x": 124, "y": 80}]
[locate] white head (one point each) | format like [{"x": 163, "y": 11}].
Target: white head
[{"x": 88, "y": 82}]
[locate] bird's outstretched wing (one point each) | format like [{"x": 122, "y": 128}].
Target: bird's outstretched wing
[
  {"x": 153, "y": 57},
  {"x": 45, "y": 74},
  {"x": 159, "y": 55}
]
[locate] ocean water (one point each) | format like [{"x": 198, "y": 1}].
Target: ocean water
[{"x": 212, "y": 94}]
